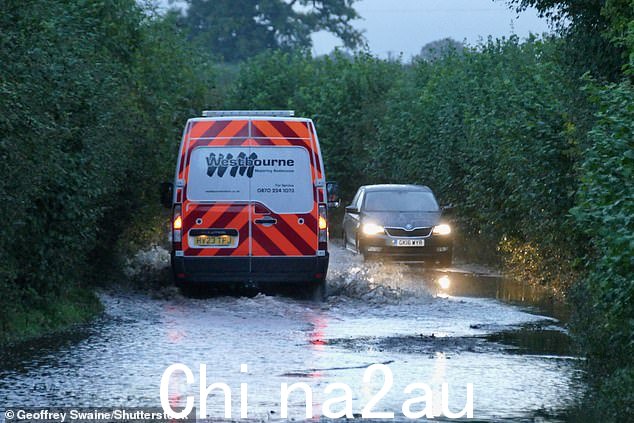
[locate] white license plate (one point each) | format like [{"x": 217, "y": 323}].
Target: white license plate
[
  {"x": 213, "y": 241},
  {"x": 410, "y": 242}
]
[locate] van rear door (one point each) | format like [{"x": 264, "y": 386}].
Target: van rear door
[
  {"x": 283, "y": 199},
  {"x": 217, "y": 210},
  {"x": 216, "y": 216},
  {"x": 285, "y": 211}
]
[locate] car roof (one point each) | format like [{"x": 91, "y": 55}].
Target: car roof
[{"x": 396, "y": 187}]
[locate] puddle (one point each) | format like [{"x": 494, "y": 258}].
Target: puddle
[{"x": 535, "y": 341}]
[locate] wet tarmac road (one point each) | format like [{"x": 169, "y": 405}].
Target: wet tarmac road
[{"x": 502, "y": 337}]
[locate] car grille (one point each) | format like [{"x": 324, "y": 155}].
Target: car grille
[{"x": 400, "y": 232}]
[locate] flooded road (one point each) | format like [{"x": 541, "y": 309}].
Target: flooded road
[{"x": 426, "y": 326}]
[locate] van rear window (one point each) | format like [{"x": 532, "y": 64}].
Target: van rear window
[{"x": 278, "y": 177}]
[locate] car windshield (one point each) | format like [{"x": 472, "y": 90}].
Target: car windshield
[{"x": 403, "y": 201}]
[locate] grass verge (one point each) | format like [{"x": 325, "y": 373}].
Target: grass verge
[{"x": 37, "y": 318}]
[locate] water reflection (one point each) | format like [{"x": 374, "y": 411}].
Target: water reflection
[{"x": 464, "y": 284}]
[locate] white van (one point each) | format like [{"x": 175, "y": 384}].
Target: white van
[{"x": 249, "y": 201}]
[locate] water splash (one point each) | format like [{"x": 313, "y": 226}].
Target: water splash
[{"x": 376, "y": 282}]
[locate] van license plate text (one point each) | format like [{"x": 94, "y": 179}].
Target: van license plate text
[
  {"x": 213, "y": 241},
  {"x": 410, "y": 242}
]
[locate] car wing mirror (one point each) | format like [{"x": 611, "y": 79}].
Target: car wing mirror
[
  {"x": 352, "y": 209},
  {"x": 167, "y": 194},
  {"x": 332, "y": 193},
  {"x": 447, "y": 209}
]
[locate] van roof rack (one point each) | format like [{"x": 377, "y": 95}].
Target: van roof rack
[{"x": 217, "y": 113}]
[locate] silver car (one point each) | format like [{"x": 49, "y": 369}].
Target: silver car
[{"x": 403, "y": 222}]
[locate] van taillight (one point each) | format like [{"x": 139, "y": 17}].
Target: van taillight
[
  {"x": 177, "y": 224},
  {"x": 323, "y": 227},
  {"x": 323, "y": 223}
]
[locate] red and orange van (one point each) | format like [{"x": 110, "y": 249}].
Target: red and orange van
[{"x": 249, "y": 201}]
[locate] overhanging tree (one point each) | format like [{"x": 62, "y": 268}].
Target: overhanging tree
[
  {"x": 600, "y": 33},
  {"x": 237, "y": 29}
]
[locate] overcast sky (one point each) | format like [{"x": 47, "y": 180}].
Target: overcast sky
[{"x": 404, "y": 26}]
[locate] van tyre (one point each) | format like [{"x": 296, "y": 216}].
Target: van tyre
[
  {"x": 318, "y": 291},
  {"x": 188, "y": 289}
]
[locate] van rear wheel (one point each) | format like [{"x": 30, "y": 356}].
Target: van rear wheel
[
  {"x": 317, "y": 291},
  {"x": 189, "y": 290}
]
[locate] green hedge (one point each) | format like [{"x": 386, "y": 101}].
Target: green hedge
[
  {"x": 604, "y": 298},
  {"x": 93, "y": 98}
]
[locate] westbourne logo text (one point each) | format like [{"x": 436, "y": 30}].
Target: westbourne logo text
[{"x": 241, "y": 164}]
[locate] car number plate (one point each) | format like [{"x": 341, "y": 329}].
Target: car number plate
[
  {"x": 410, "y": 242},
  {"x": 213, "y": 241}
]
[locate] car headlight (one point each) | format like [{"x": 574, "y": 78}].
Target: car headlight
[
  {"x": 372, "y": 229},
  {"x": 442, "y": 229}
]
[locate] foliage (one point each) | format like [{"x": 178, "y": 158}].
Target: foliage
[
  {"x": 91, "y": 92},
  {"x": 605, "y": 211},
  {"x": 237, "y": 29},
  {"x": 596, "y": 30},
  {"x": 620, "y": 13},
  {"x": 77, "y": 306}
]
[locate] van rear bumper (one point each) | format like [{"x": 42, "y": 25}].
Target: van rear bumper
[{"x": 249, "y": 270}]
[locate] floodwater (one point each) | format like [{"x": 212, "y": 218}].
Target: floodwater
[{"x": 430, "y": 327}]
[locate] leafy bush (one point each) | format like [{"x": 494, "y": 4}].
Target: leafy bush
[
  {"x": 91, "y": 94},
  {"x": 604, "y": 298}
]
